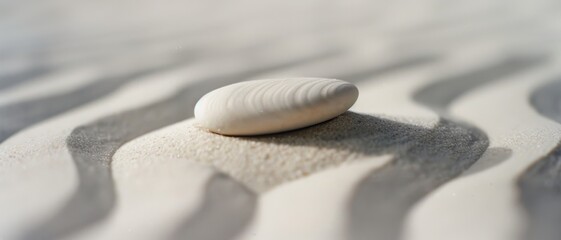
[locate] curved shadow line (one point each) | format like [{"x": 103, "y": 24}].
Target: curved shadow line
[
  {"x": 442, "y": 93},
  {"x": 425, "y": 157},
  {"x": 11, "y": 80},
  {"x": 216, "y": 210},
  {"x": 22, "y": 114},
  {"x": 384, "y": 197},
  {"x": 540, "y": 184},
  {"x": 399, "y": 65},
  {"x": 491, "y": 158},
  {"x": 92, "y": 147},
  {"x": 430, "y": 158}
]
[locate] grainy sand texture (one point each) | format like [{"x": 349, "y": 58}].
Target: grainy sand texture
[{"x": 455, "y": 134}]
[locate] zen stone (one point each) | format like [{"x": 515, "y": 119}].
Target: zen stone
[{"x": 273, "y": 105}]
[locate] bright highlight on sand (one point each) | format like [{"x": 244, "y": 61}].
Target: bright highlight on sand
[{"x": 273, "y": 105}]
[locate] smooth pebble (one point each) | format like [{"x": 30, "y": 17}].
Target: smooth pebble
[{"x": 273, "y": 105}]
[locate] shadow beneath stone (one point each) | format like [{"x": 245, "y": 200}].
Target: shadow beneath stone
[
  {"x": 371, "y": 135},
  {"x": 93, "y": 145},
  {"x": 350, "y": 131},
  {"x": 425, "y": 158}
]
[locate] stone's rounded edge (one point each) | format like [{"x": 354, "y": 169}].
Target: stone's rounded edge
[
  {"x": 345, "y": 95},
  {"x": 199, "y": 112},
  {"x": 348, "y": 90},
  {"x": 354, "y": 92}
]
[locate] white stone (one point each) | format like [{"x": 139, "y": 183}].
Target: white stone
[{"x": 273, "y": 105}]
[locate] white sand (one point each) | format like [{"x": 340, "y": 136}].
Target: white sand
[
  {"x": 312, "y": 207},
  {"x": 153, "y": 207},
  {"x": 159, "y": 180},
  {"x": 39, "y": 154},
  {"x": 52, "y": 84},
  {"x": 263, "y": 165},
  {"x": 129, "y": 203},
  {"x": 485, "y": 205},
  {"x": 276, "y": 163}
]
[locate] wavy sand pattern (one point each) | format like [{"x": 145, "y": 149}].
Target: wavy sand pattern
[{"x": 457, "y": 123}]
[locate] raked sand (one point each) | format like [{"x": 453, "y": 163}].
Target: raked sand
[{"x": 446, "y": 140}]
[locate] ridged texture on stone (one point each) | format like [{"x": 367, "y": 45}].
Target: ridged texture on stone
[{"x": 273, "y": 105}]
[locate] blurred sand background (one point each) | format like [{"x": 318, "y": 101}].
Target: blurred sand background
[{"x": 455, "y": 134}]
